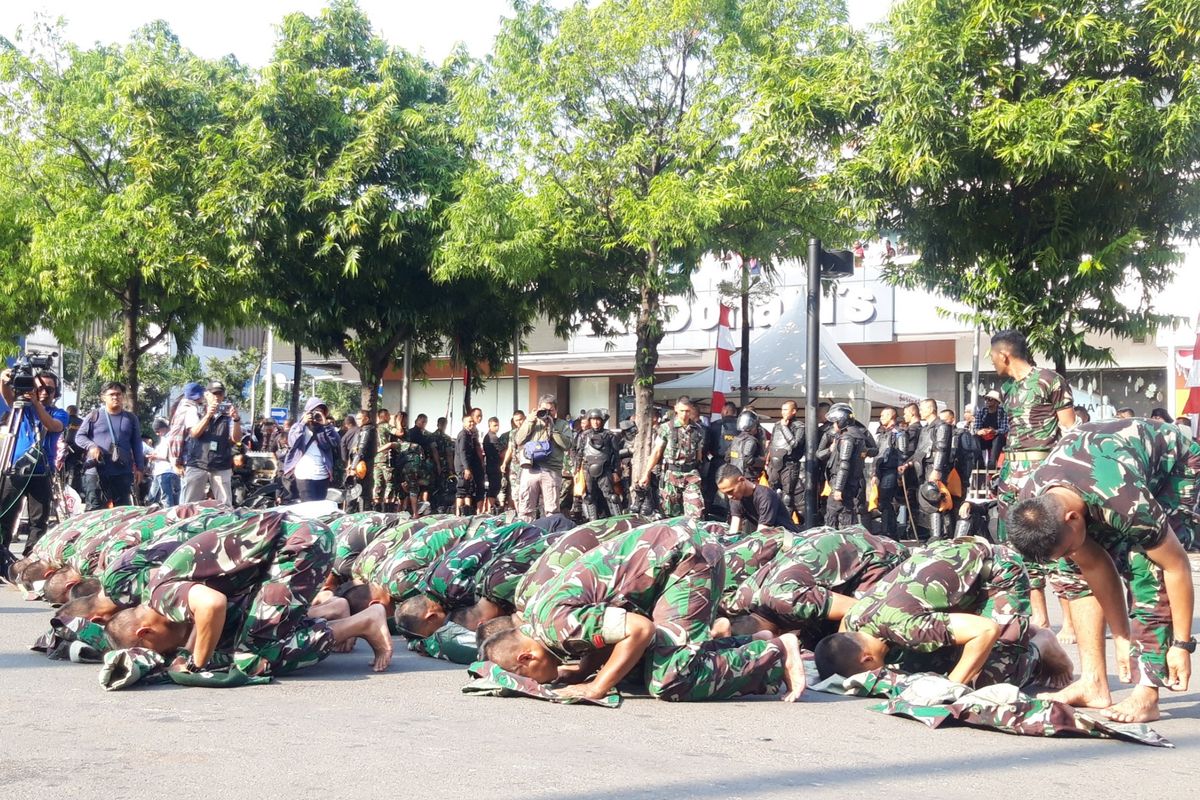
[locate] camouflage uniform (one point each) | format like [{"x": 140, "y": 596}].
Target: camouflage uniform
[
  {"x": 386, "y": 482},
  {"x": 793, "y": 591},
  {"x": 559, "y": 553},
  {"x": 672, "y": 574},
  {"x": 1032, "y": 405},
  {"x": 747, "y": 555},
  {"x": 269, "y": 568},
  {"x": 909, "y": 608},
  {"x": 1139, "y": 481},
  {"x": 403, "y": 567},
  {"x": 414, "y": 468},
  {"x": 444, "y": 446},
  {"x": 453, "y": 580},
  {"x": 367, "y": 565},
  {"x": 93, "y": 556},
  {"x": 58, "y": 544},
  {"x": 128, "y": 573},
  {"x": 352, "y": 534},
  {"x": 679, "y": 489}
]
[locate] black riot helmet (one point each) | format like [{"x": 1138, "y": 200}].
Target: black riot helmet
[
  {"x": 839, "y": 414},
  {"x": 747, "y": 421},
  {"x": 596, "y": 413}
]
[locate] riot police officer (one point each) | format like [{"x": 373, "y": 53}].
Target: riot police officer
[
  {"x": 785, "y": 462},
  {"x": 749, "y": 449},
  {"x": 599, "y": 455},
  {"x": 849, "y": 448},
  {"x": 931, "y": 463}
]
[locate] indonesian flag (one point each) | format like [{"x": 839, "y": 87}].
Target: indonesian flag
[
  {"x": 723, "y": 368},
  {"x": 1192, "y": 406}
]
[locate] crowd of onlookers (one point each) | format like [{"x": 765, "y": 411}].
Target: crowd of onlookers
[{"x": 539, "y": 463}]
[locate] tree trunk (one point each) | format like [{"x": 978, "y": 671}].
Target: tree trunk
[
  {"x": 1060, "y": 365},
  {"x": 649, "y": 336},
  {"x": 129, "y": 340},
  {"x": 297, "y": 377},
  {"x": 744, "y": 321},
  {"x": 466, "y": 390},
  {"x": 369, "y": 377}
]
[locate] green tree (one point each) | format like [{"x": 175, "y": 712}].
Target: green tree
[
  {"x": 620, "y": 141},
  {"x": 336, "y": 178},
  {"x": 109, "y": 150},
  {"x": 1041, "y": 156},
  {"x": 235, "y": 372}
]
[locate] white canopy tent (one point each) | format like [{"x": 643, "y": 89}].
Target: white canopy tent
[{"x": 778, "y": 369}]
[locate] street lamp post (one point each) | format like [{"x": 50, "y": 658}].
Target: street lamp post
[{"x": 830, "y": 265}]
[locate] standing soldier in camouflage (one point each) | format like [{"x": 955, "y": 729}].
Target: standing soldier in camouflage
[
  {"x": 679, "y": 445},
  {"x": 1040, "y": 407},
  {"x": 510, "y": 466},
  {"x": 1118, "y": 499},
  {"x": 785, "y": 460},
  {"x": 246, "y": 590},
  {"x": 810, "y": 586},
  {"x": 647, "y": 597},
  {"x": 956, "y": 593},
  {"x": 385, "y": 488}
]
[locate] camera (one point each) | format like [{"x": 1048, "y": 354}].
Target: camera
[
  {"x": 544, "y": 414},
  {"x": 224, "y": 407},
  {"x": 26, "y": 367}
]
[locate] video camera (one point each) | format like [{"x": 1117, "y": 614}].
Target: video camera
[{"x": 26, "y": 368}]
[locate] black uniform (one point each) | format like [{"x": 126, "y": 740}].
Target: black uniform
[
  {"x": 749, "y": 453},
  {"x": 719, "y": 442},
  {"x": 599, "y": 453},
  {"x": 848, "y": 449},
  {"x": 785, "y": 464},
  {"x": 893, "y": 449},
  {"x": 934, "y": 452},
  {"x": 763, "y": 509}
]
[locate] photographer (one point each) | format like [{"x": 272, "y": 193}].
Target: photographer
[
  {"x": 112, "y": 438},
  {"x": 208, "y": 453},
  {"x": 313, "y": 444},
  {"x": 32, "y": 460},
  {"x": 541, "y": 443}
]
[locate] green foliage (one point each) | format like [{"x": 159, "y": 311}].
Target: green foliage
[
  {"x": 342, "y": 398},
  {"x": 1041, "y": 158},
  {"x": 620, "y": 141},
  {"x": 104, "y": 154},
  {"x": 336, "y": 180}
]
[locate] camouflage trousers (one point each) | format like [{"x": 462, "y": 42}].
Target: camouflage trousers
[
  {"x": 1003, "y": 597},
  {"x": 680, "y": 495},
  {"x": 1149, "y": 608},
  {"x": 386, "y": 487},
  {"x": 1013, "y": 476},
  {"x": 683, "y": 662},
  {"x": 276, "y": 635}
]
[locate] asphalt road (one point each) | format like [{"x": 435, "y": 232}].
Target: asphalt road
[{"x": 337, "y": 730}]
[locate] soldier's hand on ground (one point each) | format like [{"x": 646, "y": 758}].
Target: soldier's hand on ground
[
  {"x": 1179, "y": 669},
  {"x": 587, "y": 690}
]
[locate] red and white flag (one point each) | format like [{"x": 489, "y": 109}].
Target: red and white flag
[
  {"x": 1192, "y": 406},
  {"x": 723, "y": 368}
]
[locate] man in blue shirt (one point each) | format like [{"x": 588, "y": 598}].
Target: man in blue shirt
[
  {"x": 34, "y": 455},
  {"x": 116, "y": 460}
]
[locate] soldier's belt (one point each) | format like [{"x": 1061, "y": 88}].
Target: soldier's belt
[
  {"x": 1028, "y": 456},
  {"x": 681, "y": 468}
]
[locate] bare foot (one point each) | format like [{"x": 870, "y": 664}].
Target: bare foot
[
  {"x": 346, "y": 646},
  {"x": 379, "y": 638},
  {"x": 793, "y": 667},
  {"x": 1083, "y": 693},
  {"x": 1066, "y": 635},
  {"x": 1141, "y": 706},
  {"x": 1056, "y": 668},
  {"x": 721, "y": 628},
  {"x": 1040, "y": 621}
]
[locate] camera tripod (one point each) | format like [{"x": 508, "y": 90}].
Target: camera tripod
[{"x": 16, "y": 418}]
